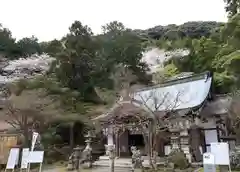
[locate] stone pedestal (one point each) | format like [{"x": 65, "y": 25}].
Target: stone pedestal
[{"x": 111, "y": 152}]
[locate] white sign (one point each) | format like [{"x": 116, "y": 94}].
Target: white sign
[
  {"x": 13, "y": 158},
  {"x": 35, "y": 157},
  {"x": 167, "y": 150},
  {"x": 221, "y": 153},
  {"x": 208, "y": 158},
  {"x": 211, "y": 136},
  {"x": 34, "y": 139},
  {"x": 209, "y": 168},
  {"x": 24, "y": 162}
]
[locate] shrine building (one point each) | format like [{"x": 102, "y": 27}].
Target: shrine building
[{"x": 183, "y": 111}]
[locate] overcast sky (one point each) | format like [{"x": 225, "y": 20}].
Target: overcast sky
[{"x": 49, "y": 19}]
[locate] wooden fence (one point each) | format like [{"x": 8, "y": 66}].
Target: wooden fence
[{"x": 7, "y": 141}]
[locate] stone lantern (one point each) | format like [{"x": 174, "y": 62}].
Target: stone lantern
[
  {"x": 87, "y": 152},
  {"x": 111, "y": 152},
  {"x": 88, "y": 140}
]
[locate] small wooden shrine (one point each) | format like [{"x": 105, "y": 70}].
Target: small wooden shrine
[{"x": 178, "y": 114}]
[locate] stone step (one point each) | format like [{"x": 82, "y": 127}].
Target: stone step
[
  {"x": 127, "y": 159},
  {"x": 124, "y": 163},
  {"x": 116, "y": 169},
  {"x": 105, "y": 163}
]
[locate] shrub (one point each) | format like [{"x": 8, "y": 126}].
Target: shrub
[{"x": 178, "y": 158}]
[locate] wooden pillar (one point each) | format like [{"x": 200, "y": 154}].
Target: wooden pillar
[
  {"x": 117, "y": 144},
  {"x": 195, "y": 142},
  {"x": 110, "y": 136}
]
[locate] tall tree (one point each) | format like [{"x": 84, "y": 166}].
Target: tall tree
[
  {"x": 29, "y": 46},
  {"x": 232, "y": 6},
  {"x": 7, "y": 42},
  {"x": 76, "y": 63},
  {"x": 28, "y": 110},
  {"x": 123, "y": 46},
  {"x": 52, "y": 48}
]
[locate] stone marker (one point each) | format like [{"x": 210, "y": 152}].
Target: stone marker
[{"x": 209, "y": 162}]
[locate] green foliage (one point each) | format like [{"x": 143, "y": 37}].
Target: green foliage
[
  {"x": 164, "y": 74},
  {"x": 53, "y": 47},
  {"x": 232, "y": 6},
  {"x": 218, "y": 53},
  {"x": 179, "y": 159},
  {"x": 7, "y": 43},
  {"x": 29, "y": 46},
  {"x": 223, "y": 82},
  {"x": 189, "y": 29},
  {"x": 170, "y": 70},
  {"x": 12, "y": 49},
  {"x": 123, "y": 47}
]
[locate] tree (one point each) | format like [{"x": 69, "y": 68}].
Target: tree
[
  {"x": 113, "y": 27},
  {"x": 173, "y": 35},
  {"x": 76, "y": 66},
  {"x": 53, "y": 47},
  {"x": 29, "y": 46},
  {"x": 187, "y": 30},
  {"x": 29, "y": 110},
  {"x": 230, "y": 33},
  {"x": 122, "y": 78},
  {"x": 38, "y": 104},
  {"x": 232, "y": 6},
  {"x": 7, "y": 43},
  {"x": 234, "y": 115},
  {"x": 158, "y": 107},
  {"x": 121, "y": 46}
]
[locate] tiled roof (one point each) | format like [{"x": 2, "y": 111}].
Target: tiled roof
[{"x": 177, "y": 94}]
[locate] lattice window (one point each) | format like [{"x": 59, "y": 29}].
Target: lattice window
[{"x": 184, "y": 141}]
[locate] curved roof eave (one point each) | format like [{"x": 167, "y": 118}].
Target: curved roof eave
[{"x": 176, "y": 97}]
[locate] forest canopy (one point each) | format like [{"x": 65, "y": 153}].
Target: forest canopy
[{"x": 91, "y": 59}]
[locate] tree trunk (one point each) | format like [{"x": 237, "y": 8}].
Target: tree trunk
[
  {"x": 71, "y": 134},
  {"x": 150, "y": 150},
  {"x": 237, "y": 137},
  {"x": 117, "y": 145},
  {"x": 195, "y": 142},
  {"x": 223, "y": 168},
  {"x": 26, "y": 137},
  {"x": 92, "y": 96},
  {"x": 25, "y": 129}
]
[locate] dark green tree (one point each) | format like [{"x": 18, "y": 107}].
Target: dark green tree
[
  {"x": 76, "y": 63},
  {"x": 232, "y": 7},
  {"x": 121, "y": 46},
  {"x": 29, "y": 46}
]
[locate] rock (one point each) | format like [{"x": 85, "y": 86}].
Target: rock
[
  {"x": 22, "y": 68},
  {"x": 156, "y": 57}
]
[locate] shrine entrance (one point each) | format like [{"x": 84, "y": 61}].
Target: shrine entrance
[{"x": 136, "y": 140}]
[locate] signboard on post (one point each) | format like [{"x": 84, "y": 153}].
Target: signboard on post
[
  {"x": 35, "y": 157},
  {"x": 12, "y": 158},
  {"x": 34, "y": 139},
  {"x": 208, "y": 158},
  {"x": 209, "y": 162},
  {"x": 221, "y": 153},
  {"x": 24, "y": 162}
]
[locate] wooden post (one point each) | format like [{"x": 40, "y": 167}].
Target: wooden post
[{"x": 223, "y": 168}]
